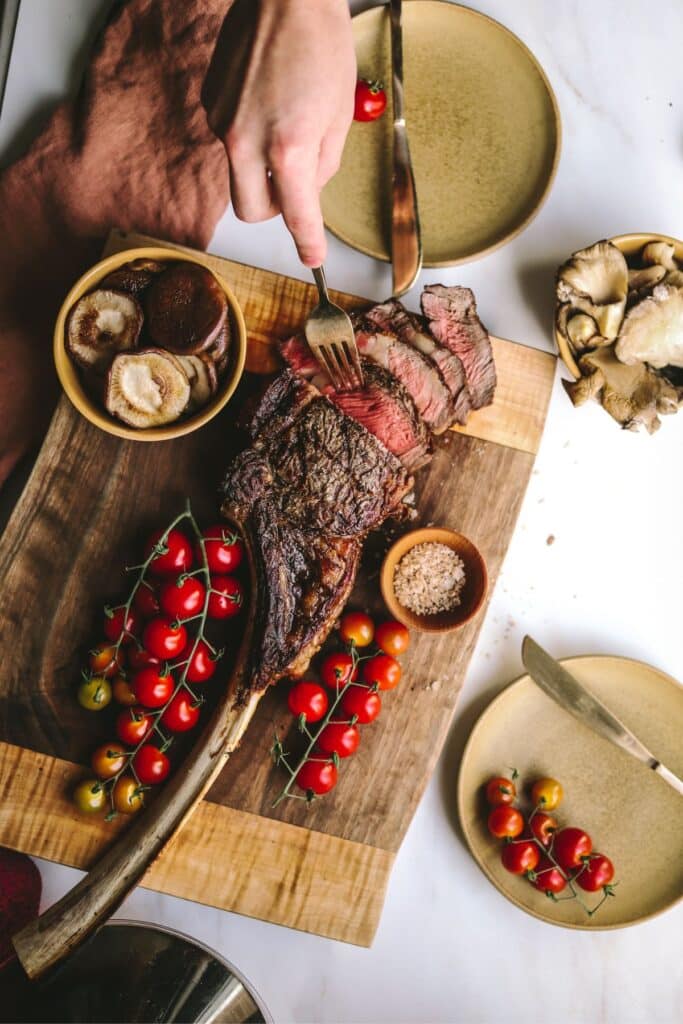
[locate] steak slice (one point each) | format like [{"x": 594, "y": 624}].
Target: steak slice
[
  {"x": 393, "y": 316},
  {"x": 383, "y": 406},
  {"x": 452, "y": 316}
]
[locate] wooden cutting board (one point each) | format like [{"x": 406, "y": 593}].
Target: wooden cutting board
[{"x": 89, "y": 502}]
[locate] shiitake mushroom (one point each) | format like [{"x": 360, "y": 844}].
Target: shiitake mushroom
[
  {"x": 100, "y": 325},
  {"x": 186, "y": 309},
  {"x": 133, "y": 277},
  {"x": 147, "y": 388}
]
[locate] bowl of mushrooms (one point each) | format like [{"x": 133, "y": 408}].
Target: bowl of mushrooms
[
  {"x": 150, "y": 344},
  {"x": 619, "y": 327}
]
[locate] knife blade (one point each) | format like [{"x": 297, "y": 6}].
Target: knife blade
[
  {"x": 566, "y": 691},
  {"x": 9, "y": 12},
  {"x": 406, "y": 238}
]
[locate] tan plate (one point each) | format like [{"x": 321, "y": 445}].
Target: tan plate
[
  {"x": 630, "y": 245},
  {"x": 484, "y": 131},
  {"x": 631, "y": 814}
]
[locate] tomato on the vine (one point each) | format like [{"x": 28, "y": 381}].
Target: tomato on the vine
[
  {"x": 357, "y": 628},
  {"x": 201, "y": 665},
  {"x": 548, "y": 877},
  {"x": 114, "y": 625},
  {"x": 90, "y": 796},
  {"x": 105, "y": 660},
  {"x": 177, "y": 557},
  {"x": 164, "y": 638},
  {"x": 151, "y": 687},
  {"x": 339, "y": 738},
  {"x": 500, "y": 791},
  {"x": 337, "y": 670},
  {"x": 146, "y": 600},
  {"x": 308, "y": 699},
  {"x": 122, "y": 692},
  {"x": 543, "y": 827},
  {"x": 94, "y": 694},
  {"x": 133, "y": 725},
  {"x": 520, "y": 857},
  {"x": 362, "y": 704},
  {"x": 370, "y": 100},
  {"x": 151, "y": 765},
  {"x": 318, "y": 776},
  {"x": 597, "y": 872},
  {"x": 226, "y": 597},
  {"x": 382, "y": 670},
  {"x": 139, "y": 658},
  {"x": 392, "y": 638},
  {"x": 127, "y": 796},
  {"x": 108, "y": 760},
  {"x": 505, "y": 821},
  {"x": 224, "y": 549},
  {"x": 570, "y": 846},
  {"x": 181, "y": 714},
  {"x": 546, "y": 793},
  {"x": 180, "y": 599}
]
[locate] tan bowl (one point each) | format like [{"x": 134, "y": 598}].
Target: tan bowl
[
  {"x": 629, "y": 245},
  {"x": 473, "y": 593},
  {"x": 69, "y": 376}
]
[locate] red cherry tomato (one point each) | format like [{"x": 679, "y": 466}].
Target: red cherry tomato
[
  {"x": 226, "y": 597},
  {"x": 318, "y": 776},
  {"x": 382, "y": 670},
  {"x": 370, "y": 101},
  {"x": 570, "y": 846},
  {"x": 308, "y": 699},
  {"x": 163, "y": 639},
  {"x": 337, "y": 669},
  {"x": 151, "y": 688},
  {"x": 133, "y": 724},
  {"x": 357, "y": 628},
  {"x": 139, "y": 658},
  {"x": 505, "y": 821},
  {"x": 339, "y": 738},
  {"x": 362, "y": 704},
  {"x": 114, "y": 627},
  {"x": 146, "y": 600},
  {"x": 392, "y": 638},
  {"x": 500, "y": 791},
  {"x": 224, "y": 549},
  {"x": 182, "y": 600},
  {"x": 181, "y": 714},
  {"x": 151, "y": 765},
  {"x": 520, "y": 857},
  {"x": 543, "y": 827},
  {"x": 105, "y": 660},
  {"x": 177, "y": 557},
  {"x": 548, "y": 877},
  {"x": 201, "y": 666},
  {"x": 122, "y": 692},
  {"x": 597, "y": 873}
]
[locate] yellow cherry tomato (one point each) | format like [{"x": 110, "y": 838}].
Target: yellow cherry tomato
[
  {"x": 90, "y": 796},
  {"x": 123, "y": 693},
  {"x": 105, "y": 660},
  {"x": 94, "y": 694},
  {"x": 547, "y": 794},
  {"x": 127, "y": 796},
  {"x": 108, "y": 760}
]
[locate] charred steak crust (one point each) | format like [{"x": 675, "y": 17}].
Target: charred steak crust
[{"x": 453, "y": 320}]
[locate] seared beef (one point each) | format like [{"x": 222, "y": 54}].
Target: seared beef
[
  {"x": 453, "y": 320},
  {"x": 383, "y": 406}
]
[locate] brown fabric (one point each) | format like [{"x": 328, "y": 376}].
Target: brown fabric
[{"x": 133, "y": 150}]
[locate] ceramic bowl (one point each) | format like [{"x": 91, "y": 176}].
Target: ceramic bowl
[
  {"x": 629, "y": 245},
  {"x": 70, "y": 378},
  {"x": 474, "y": 591}
]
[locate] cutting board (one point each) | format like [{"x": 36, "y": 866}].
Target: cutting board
[{"x": 89, "y": 502}]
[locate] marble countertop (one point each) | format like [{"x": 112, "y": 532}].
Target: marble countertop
[{"x": 449, "y": 947}]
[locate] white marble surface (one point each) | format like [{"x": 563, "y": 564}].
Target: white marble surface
[{"x": 449, "y": 947}]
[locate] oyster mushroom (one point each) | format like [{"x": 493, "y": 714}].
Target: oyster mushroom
[
  {"x": 186, "y": 309},
  {"x": 595, "y": 281},
  {"x": 101, "y": 324},
  {"x": 661, "y": 253},
  {"x": 147, "y": 388},
  {"x": 653, "y": 330},
  {"x": 630, "y": 394},
  {"x": 645, "y": 278}
]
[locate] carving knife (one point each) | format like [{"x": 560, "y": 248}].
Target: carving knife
[
  {"x": 406, "y": 240},
  {"x": 566, "y": 691},
  {"x": 9, "y": 12}
]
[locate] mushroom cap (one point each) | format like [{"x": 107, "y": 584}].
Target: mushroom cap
[
  {"x": 652, "y": 331},
  {"x": 595, "y": 281}
]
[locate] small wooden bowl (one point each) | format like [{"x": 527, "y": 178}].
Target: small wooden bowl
[
  {"x": 630, "y": 245},
  {"x": 70, "y": 378},
  {"x": 474, "y": 591}
]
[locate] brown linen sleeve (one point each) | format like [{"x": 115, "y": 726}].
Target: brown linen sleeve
[{"x": 133, "y": 150}]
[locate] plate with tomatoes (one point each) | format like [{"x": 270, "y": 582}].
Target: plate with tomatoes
[{"x": 565, "y": 825}]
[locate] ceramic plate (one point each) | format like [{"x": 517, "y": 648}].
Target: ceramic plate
[
  {"x": 484, "y": 133},
  {"x": 631, "y": 814}
]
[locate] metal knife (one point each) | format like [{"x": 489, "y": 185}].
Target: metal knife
[
  {"x": 9, "y": 12},
  {"x": 566, "y": 691},
  {"x": 406, "y": 239}
]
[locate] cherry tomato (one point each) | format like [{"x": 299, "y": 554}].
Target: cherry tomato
[
  {"x": 181, "y": 600},
  {"x": 318, "y": 776},
  {"x": 122, "y": 692},
  {"x": 370, "y": 101},
  {"x": 362, "y": 704},
  {"x": 308, "y": 699},
  {"x": 392, "y": 638},
  {"x": 108, "y": 760},
  {"x": 105, "y": 660},
  {"x": 546, "y": 793},
  {"x": 151, "y": 765},
  {"x": 114, "y": 627},
  {"x": 597, "y": 873},
  {"x": 151, "y": 688},
  {"x": 339, "y": 738},
  {"x": 505, "y": 821},
  {"x": 382, "y": 670},
  {"x": 127, "y": 796},
  {"x": 224, "y": 549},
  {"x": 520, "y": 857},
  {"x": 226, "y": 597},
  {"x": 139, "y": 658},
  {"x": 500, "y": 791},
  {"x": 146, "y": 600},
  {"x": 164, "y": 639},
  {"x": 357, "y": 628},
  {"x": 543, "y": 827},
  {"x": 201, "y": 666},
  {"x": 176, "y": 559},
  {"x": 94, "y": 694},
  {"x": 133, "y": 724},
  {"x": 570, "y": 846},
  {"x": 548, "y": 877},
  {"x": 181, "y": 714},
  {"x": 337, "y": 670},
  {"x": 90, "y": 796}
]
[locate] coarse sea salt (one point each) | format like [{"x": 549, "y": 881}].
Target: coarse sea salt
[{"x": 429, "y": 579}]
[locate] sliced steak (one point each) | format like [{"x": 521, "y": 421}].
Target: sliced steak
[{"x": 452, "y": 316}]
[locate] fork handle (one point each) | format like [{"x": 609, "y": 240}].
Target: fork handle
[{"x": 319, "y": 275}]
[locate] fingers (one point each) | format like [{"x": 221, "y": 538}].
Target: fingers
[
  {"x": 331, "y": 150},
  {"x": 296, "y": 189},
  {"x": 250, "y": 187}
]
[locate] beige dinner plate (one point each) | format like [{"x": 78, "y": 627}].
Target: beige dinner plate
[
  {"x": 633, "y": 817},
  {"x": 484, "y": 132}
]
